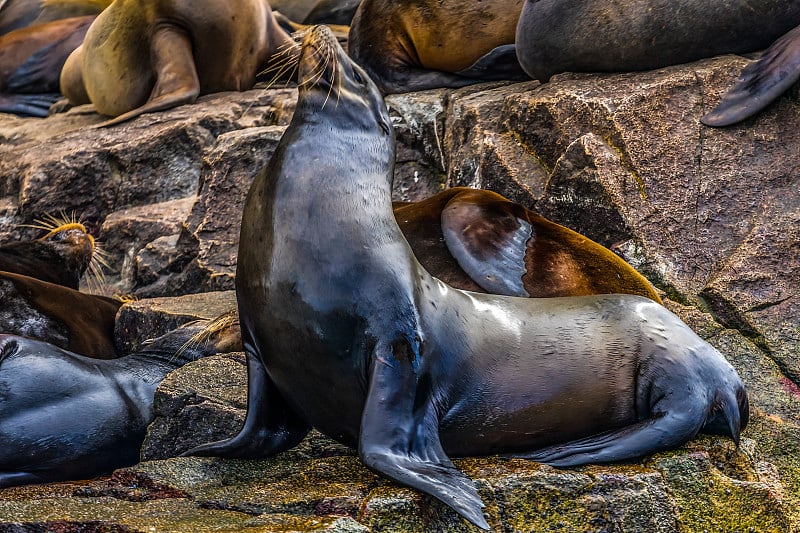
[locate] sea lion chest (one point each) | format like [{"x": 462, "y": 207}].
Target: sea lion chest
[{"x": 320, "y": 291}]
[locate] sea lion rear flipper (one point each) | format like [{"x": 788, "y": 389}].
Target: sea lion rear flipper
[
  {"x": 270, "y": 427},
  {"x": 31, "y": 105},
  {"x": 643, "y": 438},
  {"x": 489, "y": 242},
  {"x": 400, "y": 434},
  {"x": 760, "y": 83},
  {"x": 176, "y": 77},
  {"x": 500, "y": 63}
]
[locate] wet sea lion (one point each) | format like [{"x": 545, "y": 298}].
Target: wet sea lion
[
  {"x": 347, "y": 333},
  {"x": 480, "y": 241},
  {"x": 61, "y": 256},
  {"x": 606, "y": 36},
  {"x": 79, "y": 322},
  {"x": 136, "y": 60},
  {"x": 412, "y": 46},
  {"x": 31, "y": 59},
  {"x": 16, "y": 14},
  {"x": 64, "y": 416}
]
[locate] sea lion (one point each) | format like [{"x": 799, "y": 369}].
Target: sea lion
[
  {"x": 346, "y": 332},
  {"x": 31, "y": 59},
  {"x": 412, "y": 46},
  {"x": 64, "y": 416},
  {"x": 606, "y": 36},
  {"x": 79, "y": 322},
  {"x": 478, "y": 240},
  {"x": 16, "y": 14},
  {"x": 761, "y": 83},
  {"x": 339, "y": 12},
  {"x": 61, "y": 256},
  {"x": 136, "y": 60}
]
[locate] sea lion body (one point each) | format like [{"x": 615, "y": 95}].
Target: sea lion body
[
  {"x": 16, "y": 14},
  {"x": 142, "y": 58},
  {"x": 412, "y": 45},
  {"x": 31, "y": 59},
  {"x": 82, "y": 323},
  {"x": 338, "y": 12},
  {"x": 611, "y": 36},
  {"x": 64, "y": 416},
  {"x": 345, "y": 331}
]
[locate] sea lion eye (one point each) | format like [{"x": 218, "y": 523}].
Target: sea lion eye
[{"x": 357, "y": 77}]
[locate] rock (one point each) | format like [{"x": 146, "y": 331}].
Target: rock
[{"x": 145, "y": 319}]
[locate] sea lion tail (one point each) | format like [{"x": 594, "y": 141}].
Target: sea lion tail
[
  {"x": 760, "y": 83},
  {"x": 728, "y": 413}
]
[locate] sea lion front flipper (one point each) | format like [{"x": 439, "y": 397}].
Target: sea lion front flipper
[
  {"x": 500, "y": 63},
  {"x": 270, "y": 427},
  {"x": 489, "y": 242},
  {"x": 176, "y": 77},
  {"x": 760, "y": 83},
  {"x": 648, "y": 436},
  {"x": 400, "y": 433}
]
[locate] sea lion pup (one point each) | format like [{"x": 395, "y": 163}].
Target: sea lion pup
[
  {"x": 30, "y": 64},
  {"x": 61, "y": 256},
  {"x": 346, "y": 332},
  {"x": 16, "y": 14},
  {"x": 412, "y": 45},
  {"x": 478, "y": 240},
  {"x": 760, "y": 83},
  {"x": 606, "y": 36},
  {"x": 64, "y": 416},
  {"x": 79, "y": 322},
  {"x": 138, "y": 59}
]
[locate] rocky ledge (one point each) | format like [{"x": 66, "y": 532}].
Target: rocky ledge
[{"x": 710, "y": 216}]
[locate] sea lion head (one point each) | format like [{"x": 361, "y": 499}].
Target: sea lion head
[
  {"x": 729, "y": 411},
  {"x": 73, "y": 242},
  {"x": 328, "y": 78}
]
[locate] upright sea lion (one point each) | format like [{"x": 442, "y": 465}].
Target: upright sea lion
[
  {"x": 81, "y": 323},
  {"x": 16, "y": 14},
  {"x": 345, "y": 331},
  {"x": 31, "y": 59},
  {"x": 609, "y": 36},
  {"x": 64, "y": 416},
  {"x": 417, "y": 45},
  {"x": 137, "y": 60},
  {"x": 480, "y": 241},
  {"x": 61, "y": 256}
]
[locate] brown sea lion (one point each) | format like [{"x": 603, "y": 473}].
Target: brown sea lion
[
  {"x": 610, "y": 36},
  {"x": 480, "y": 241},
  {"x": 62, "y": 256},
  {"x": 79, "y": 322},
  {"x": 415, "y": 45},
  {"x": 16, "y": 14},
  {"x": 135, "y": 60},
  {"x": 346, "y": 332},
  {"x": 31, "y": 59}
]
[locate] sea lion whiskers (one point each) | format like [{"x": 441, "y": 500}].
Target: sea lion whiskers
[
  {"x": 223, "y": 324},
  {"x": 283, "y": 61},
  {"x": 325, "y": 62}
]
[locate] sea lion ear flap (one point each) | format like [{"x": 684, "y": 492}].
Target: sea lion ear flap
[{"x": 760, "y": 83}]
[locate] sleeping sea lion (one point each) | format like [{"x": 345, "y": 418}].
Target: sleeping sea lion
[
  {"x": 416, "y": 45},
  {"x": 346, "y": 332},
  {"x": 65, "y": 416},
  {"x": 16, "y": 14},
  {"x": 608, "y": 36},
  {"x": 31, "y": 59},
  {"x": 136, "y": 60}
]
